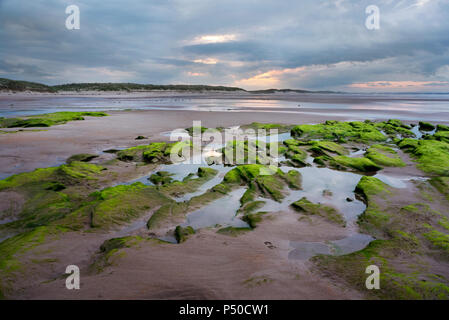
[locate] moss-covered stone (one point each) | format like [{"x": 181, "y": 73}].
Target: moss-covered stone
[
  {"x": 426, "y": 126},
  {"x": 295, "y": 153},
  {"x": 384, "y": 156},
  {"x": 161, "y": 178},
  {"x": 359, "y": 164},
  {"x": 153, "y": 152},
  {"x": 294, "y": 179},
  {"x": 189, "y": 184},
  {"x": 120, "y": 204},
  {"x": 328, "y": 213},
  {"x": 267, "y": 181},
  {"x": 47, "y": 120},
  {"x": 253, "y": 219},
  {"x": 335, "y": 131},
  {"x": 432, "y": 155},
  {"x": 267, "y": 126},
  {"x": 84, "y": 157},
  {"x": 183, "y": 233}
]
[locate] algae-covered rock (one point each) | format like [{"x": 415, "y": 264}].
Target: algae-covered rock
[
  {"x": 432, "y": 155},
  {"x": 268, "y": 181},
  {"x": 335, "y": 130},
  {"x": 384, "y": 156},
  {"x": 330, "y": 214},
  {"x": 295, "y": 153},
  {"x": 150, "y": 153},
  {"x": 442, "y": 127},
  {"x": 47, "y": 120},
  {"x": 359, "y": 164},
  {"x": 122, "y": 203},
  {"x": 84, "y": 157},
  {"x": 183, "y": 233},
  {"x": 189, "y": 184},
  {"x": 253, "y": 219},
  {"x": 426, "y": 126},
  {"x": 267, "y": 126},
  {"x": 161, "y": 178}
]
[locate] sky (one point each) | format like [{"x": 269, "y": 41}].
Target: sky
[{"x": 298, "y": 44}]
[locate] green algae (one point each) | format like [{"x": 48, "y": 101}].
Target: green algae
[
  {"x": 50, "y": 194},
  {"x": 267, "y": 126},
  {"x": 441, "y": 184},
  {"x": 337, "y": 131},
  {"x": 12, "y": 249},
  {"x": 442, "y": 136},
  {"x": 47, "y": 120},
  {"x": 426, "y": 126},
  {"x": 294, "y": 179},
  {"x": 437, "y": 238},
  {"x": 394, "y": 127},
  {"x": 189, "y": 184},
  {"x": 253, "y": 219},
  {"x": 384, "y": 156},
  {"x": 409, "y": 233},
  {"x": 183, "y": 233},
  {"x": 295, "y": 153},
  {"x": 161, "y": 178},
  {"x": 84, "y": 157},
  {"x": 200, "y": 129},
  {"x": 123, "y": 203},
  {"x": 111, "y": 251},
  {"x": 328, "y": 213},
  {"x": 432, "y": 155},
  {"x": 269, "y": 181},
  {"x": 442, "y": 127},
  {"x": 150, "y": 152},
  {"x": 77, "y": 170},
  {"x": 247, "y": 151},
  {"x": 394, "y": 284},
  {"x": 251, "y": 206},
  {"x": 359, "y": 164},
  {"x": 370, "y": 186},
  {"x": 21, "y": 179}
]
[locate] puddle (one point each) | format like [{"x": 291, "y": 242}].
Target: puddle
[
  {"x": 219, "y": 212},
  {"x": 314, "y": 181},
  {"x": 357, "y": 154},
  {"x": 399, "y": 182},
  {"x": 418, "y": 133}
]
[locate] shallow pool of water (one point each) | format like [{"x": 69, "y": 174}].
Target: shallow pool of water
[{"x": 220, "y": 212}]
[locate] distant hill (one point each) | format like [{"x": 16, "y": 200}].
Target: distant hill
[
  {"x": 18, "y": 86},
  {"x": 13, "y": 85}
]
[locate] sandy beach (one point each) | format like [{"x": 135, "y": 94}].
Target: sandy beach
[{"x": 272, "y": 261}]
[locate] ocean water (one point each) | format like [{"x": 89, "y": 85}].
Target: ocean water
[{"x": 411, "y": 107}]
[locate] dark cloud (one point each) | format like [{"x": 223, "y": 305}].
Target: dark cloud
[{"x": 300, "y": 44}]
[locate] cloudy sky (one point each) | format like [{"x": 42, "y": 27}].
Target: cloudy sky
[{"x": 308, "y": 44}]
